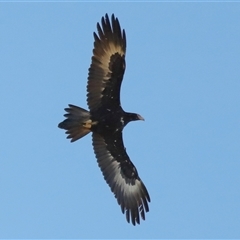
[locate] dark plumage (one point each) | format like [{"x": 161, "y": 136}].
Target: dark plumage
[{"x": 106, "y": 120}]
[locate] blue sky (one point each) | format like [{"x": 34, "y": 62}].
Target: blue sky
[{"x": 182, "y": 76}]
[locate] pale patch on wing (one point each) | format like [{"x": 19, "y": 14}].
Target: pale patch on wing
[
  {"x": 131, "y": 193},
  {"x": 109, "y": 41}
]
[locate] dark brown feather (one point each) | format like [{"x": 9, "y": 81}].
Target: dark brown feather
[
  {"x": 129, "y": 190},
  {"x": 108, "y": 65}
]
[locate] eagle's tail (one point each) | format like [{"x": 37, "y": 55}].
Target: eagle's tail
[{"x": 77, "y": 122}]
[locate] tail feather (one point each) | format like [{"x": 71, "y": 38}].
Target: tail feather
[{"x": 75, "y": 122}]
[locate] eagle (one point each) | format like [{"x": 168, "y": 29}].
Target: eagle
[{"x": 106, "y": 120}]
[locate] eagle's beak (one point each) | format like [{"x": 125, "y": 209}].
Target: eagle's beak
[{"x": 140, "y": 117}]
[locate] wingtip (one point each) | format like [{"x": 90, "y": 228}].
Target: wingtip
[{"x": 60, "y": 125}]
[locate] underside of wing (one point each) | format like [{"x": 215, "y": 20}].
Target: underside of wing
[
  {"x": 122, "y": 177},
  {"x": 108, "y": 65}
]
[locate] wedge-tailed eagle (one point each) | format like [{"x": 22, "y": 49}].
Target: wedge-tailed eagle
[{"x": 106, "y": 120}]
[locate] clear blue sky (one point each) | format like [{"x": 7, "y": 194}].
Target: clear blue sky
[{"x": 182, "y": 76}]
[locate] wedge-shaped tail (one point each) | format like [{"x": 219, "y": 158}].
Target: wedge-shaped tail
[{"x": 77, "y": 122}]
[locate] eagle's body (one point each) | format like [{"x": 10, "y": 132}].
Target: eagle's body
[{"x": 106, "y": 120}]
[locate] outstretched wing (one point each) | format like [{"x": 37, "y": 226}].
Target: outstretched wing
[
  {"x": 121, "y": 175},
  {"x": 108, "y": 65}
]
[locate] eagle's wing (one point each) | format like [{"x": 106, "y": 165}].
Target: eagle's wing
[
  {"x": 121, "y": 175},
  {"x": 108, "y": 65}
]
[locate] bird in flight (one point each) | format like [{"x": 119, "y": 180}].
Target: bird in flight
[{"x": 106, "y": 120}]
